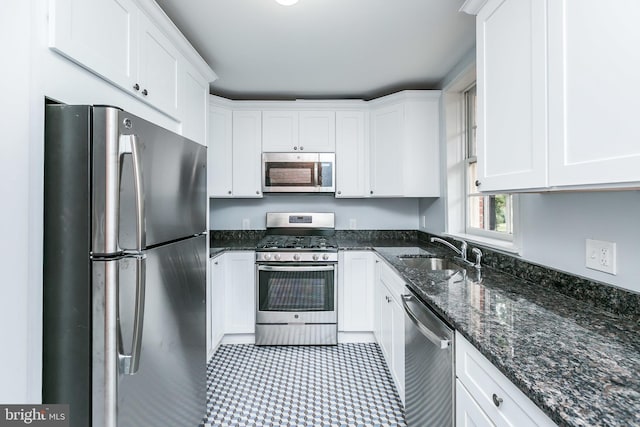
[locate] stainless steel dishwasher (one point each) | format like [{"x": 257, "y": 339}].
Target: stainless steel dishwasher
[{"x": 429, "y": 369}]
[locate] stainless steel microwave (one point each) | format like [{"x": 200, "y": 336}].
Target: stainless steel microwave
[{"x": 298, "y": 172}]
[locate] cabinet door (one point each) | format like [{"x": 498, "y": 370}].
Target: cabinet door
[
  {"x": 317, "y": 131},
  {"x": 220, "y": 152},
  {"x": 387, "y": 145},
  {"x": 593, "y": 62},
  {"x": 421, "y": 165},
  {"x": 468, "y": 413},
  {"x": 512, "y": 102},
  {"x": 99, "y": 35},
  {"x": 386, "y": 326},
  {"x": 247, "y": 154},
  {"x": 158, "y": 68},
  {"x": 351, "y": 154},
  {"x": 216, "y": 301},
  {"x": 356, "y": 291},
  {"x": 240, "y": 304},
  {"x": 280, "y": 131},
  {"x": 397, "y": 344},
  {"x": 194, "y": 102}
]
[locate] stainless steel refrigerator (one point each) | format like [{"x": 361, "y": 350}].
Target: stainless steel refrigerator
[{"x": 124, "y": 270}]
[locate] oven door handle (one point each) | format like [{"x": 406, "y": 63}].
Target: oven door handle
[{"x": 262, "y": 267}]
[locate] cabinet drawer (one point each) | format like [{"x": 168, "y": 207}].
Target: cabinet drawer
[
  {"x": 487, "y": 385},
  {"x": 391, "y": 280}
]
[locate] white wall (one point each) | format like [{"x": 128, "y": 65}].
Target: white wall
[
  {"x": 15, "y": 86},
  {"x": 554, "y": 227},
  {"x": 381, "y": 214}
]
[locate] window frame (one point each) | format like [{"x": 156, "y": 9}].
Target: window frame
[{"x": 457, "y": 163}]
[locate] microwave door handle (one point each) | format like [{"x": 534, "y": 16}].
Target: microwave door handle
[{"x": 129, "y": 144}]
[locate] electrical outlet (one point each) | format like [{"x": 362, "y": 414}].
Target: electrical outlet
[
  {"x": 352, "y": 224},
  {"x": 423, "y": 221},
  {"x": 601, "y": 256},
  {"x": 246, "y": 223}
]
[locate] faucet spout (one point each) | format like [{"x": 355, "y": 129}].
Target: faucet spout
[{"x": 447, "y": 244}]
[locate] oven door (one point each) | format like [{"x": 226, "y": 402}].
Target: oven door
[{"x": 296, "y": 294}]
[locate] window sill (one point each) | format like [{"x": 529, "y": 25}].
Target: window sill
[{"x": 500, "y": 245}]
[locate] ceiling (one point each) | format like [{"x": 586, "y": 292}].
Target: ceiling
[{"x": 324, "y": 48}]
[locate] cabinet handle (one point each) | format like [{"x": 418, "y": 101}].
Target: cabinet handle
[
  {"x": 215, "y": 263},
  {"x": 478, "y": 183},
  {"x": 229, "y": 191},
  {"x": 295, "y": 148},
  {"x": 257, "y": 192},
  {"x": 339, "y": 192},
  {"x": 136, "y": 86},
  {"x": 301, "y": 148},
  {"x": 496, "y": 400},
  {"x": 145, "y": 92},
  {"x": 371, "y": 192}
]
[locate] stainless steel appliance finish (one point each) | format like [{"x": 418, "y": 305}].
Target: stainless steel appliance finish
[
  {"x": 124, "y": 276},
  {"x": 429, "y": 366},
  {"x": 298, "y": 173},
  {"x": 296, "y": 281}
]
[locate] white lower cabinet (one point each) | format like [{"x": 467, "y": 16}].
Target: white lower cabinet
[
  {"x": 356, "y": 271},
  {"x": 239, "y": 293},
  {"x": 488, "y": 397},
  {"x": 468, "y": 412},
  {"x": 389, "y": 325},
  {"x": 216, "y": 303}
]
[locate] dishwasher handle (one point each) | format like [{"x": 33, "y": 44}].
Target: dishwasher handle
[{"x": 428, "y": 333}]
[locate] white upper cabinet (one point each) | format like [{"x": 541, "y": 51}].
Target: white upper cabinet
[
  {"x": 594, "y": 56},
  {"x": 387, "y": 136},
  {"x": 555, "y": 108},
  {"x": 317, "y": 131},
  {"x": 247, "y": 155},
  {"x": 351, "y": 154},
  {"x": 100, "y": 35},
  {"x": 220, "y": 152},
  {"x": 405, "y": 140},
  {"x": 280, "y": 131},
  {"x": 134, "y": 46},
  {"x": 234, "y": 152},
  {"x": 195, "y": 101},
  {"x": 291, "y": 131},
  {"x": 511, "y": 111},
  {"x": 159, "y": 65}
]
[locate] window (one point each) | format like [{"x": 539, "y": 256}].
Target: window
[{"x": 490, "y": 216}]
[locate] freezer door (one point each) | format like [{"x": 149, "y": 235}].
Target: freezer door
[
  {"x": 149, "y": 183},
  {"x": 149, "y": 337}
]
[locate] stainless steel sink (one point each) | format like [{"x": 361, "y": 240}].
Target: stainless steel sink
[{"x": 442, "y": 267}]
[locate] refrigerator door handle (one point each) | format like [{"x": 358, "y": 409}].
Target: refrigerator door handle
[
  {"x": 129, "y": 144},
  {"x": 129, "y": 363}
]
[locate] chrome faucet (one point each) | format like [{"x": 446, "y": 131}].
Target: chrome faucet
[{"x": 462, "y": 252}]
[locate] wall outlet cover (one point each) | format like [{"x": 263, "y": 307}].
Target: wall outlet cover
[
  {"x": 352, "y": 224},
  {"x": 600, "y": 255},
  {"x": 246, "y": 223}
]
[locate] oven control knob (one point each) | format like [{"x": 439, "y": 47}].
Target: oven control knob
[
  {"x": 276, "y": 257},
  {"x": 315, "y": 257},
  {"x": 266, "y": 257},
  {"x": 325, "y": 257},
  {"x": 296, "y": 257}
]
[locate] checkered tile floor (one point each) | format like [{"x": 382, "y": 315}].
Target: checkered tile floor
[{"x": 343, "y": 385}]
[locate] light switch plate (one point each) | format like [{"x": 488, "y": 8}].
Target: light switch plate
[{"x": 601, "y": 255}]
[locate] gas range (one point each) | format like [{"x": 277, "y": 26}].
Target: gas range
[
  {"x": 296, "y": 281},
  {"x": 298, "y": 238}
]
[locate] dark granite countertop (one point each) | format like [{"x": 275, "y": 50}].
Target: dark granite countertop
[{"x": 580, "y": 364}]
